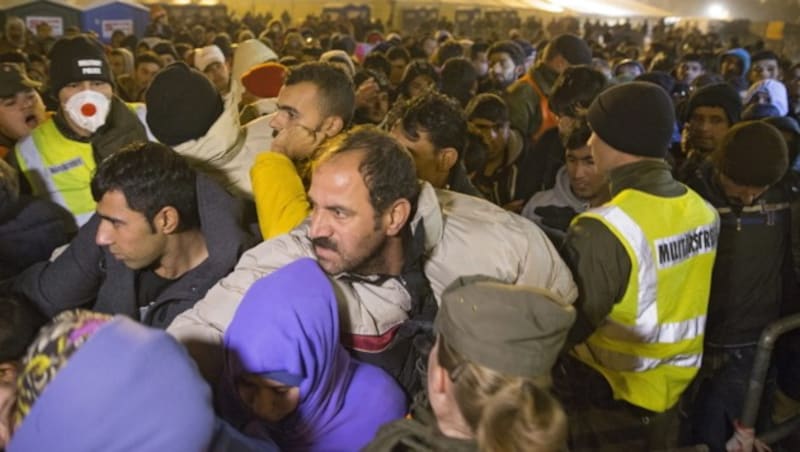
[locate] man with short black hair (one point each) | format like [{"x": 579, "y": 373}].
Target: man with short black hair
[
  {"x": 434, "y": 129},
  {"x": 765, "y": 65},
  {"x": 572, "y": 93},
  {"x": 690, "y": 66},
  {"x": 579, "y": 187},
  {"x": 131, "y": 87},
  {"x": 316, "y": 102},
  {"x": 503, "y": 178},
  {"x": 161, "y": 236}
]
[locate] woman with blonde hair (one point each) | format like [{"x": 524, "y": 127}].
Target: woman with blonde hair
[{"x": 488, "y": 373}]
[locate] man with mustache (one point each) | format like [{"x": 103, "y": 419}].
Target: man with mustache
[{"x": 391, "y": 244}]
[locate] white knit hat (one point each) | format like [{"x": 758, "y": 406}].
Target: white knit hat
[{"x": 207, "y": 55}]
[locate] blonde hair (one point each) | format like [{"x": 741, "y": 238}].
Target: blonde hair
[{"x": 506, "y": 413}]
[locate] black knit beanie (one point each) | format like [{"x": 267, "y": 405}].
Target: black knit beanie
[
  {"x": 182, "y": 104},
  {"x": 635, "y": 118},
  {"x": 720, "y": 95},
  {"x": 660, "y": 78},
  {"x": 574, "y": 49},
  {"x": 77, "y": 59},
  {"x": 753, "y": 154}
]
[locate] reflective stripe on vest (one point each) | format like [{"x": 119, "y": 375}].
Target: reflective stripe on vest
[
  {"x": 647, "y": 327},
  {"x": 623, "y": 360},
  {"x": 650, "y": 346},
  {"x": 59, "y": 168}
]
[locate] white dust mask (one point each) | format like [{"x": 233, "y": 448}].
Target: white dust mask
[{"x": 88, "y": 109}]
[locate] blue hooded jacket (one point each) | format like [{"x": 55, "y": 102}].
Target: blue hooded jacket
[{"x": 742, "y": 55}]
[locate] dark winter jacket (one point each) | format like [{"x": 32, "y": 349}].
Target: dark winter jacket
[{"x": 87, "y": 275}]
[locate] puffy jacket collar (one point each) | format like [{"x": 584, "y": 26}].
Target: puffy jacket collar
[
  {"x": 225, "y": 133},
  {"x": 430, "y": 213}
]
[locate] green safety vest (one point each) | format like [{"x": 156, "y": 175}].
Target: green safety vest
[{"x": 650, "y": 346}]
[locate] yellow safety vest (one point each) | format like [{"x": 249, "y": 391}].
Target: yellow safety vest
[
  {"x": 59, "y": 169},
  {"x": 650, "y": 346}
]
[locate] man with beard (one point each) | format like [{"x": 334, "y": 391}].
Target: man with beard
[
  {"x": 391, "y": 244},
  {"x": 710, "y": 112},
  {"x": 506, "y": 64},
  {"x": 504, "y": 176}
]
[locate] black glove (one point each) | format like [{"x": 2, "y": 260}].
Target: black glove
[{"x": 556, "y": 217}]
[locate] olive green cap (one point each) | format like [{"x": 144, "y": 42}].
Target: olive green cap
[{"x": 512, "y": 329}]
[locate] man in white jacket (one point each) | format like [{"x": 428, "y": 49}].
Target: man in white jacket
[
  {"x": 186, "y": 112},
  {"x": 390, "y": 243}
]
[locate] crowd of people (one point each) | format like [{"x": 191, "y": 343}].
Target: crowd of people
[{"x": 243, "y": 235}]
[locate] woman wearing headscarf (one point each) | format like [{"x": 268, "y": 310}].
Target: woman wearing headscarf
[
  {"x": 288, "y": 377},
  {"x": 91, "y": 381}
]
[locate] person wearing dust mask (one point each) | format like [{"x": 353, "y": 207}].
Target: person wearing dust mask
[{"x": 91, "y": 123}]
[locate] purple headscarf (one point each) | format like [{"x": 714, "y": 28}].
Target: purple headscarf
[
  {"x": 128, "y": 387},
  {"x": 288, "y": 324}
]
